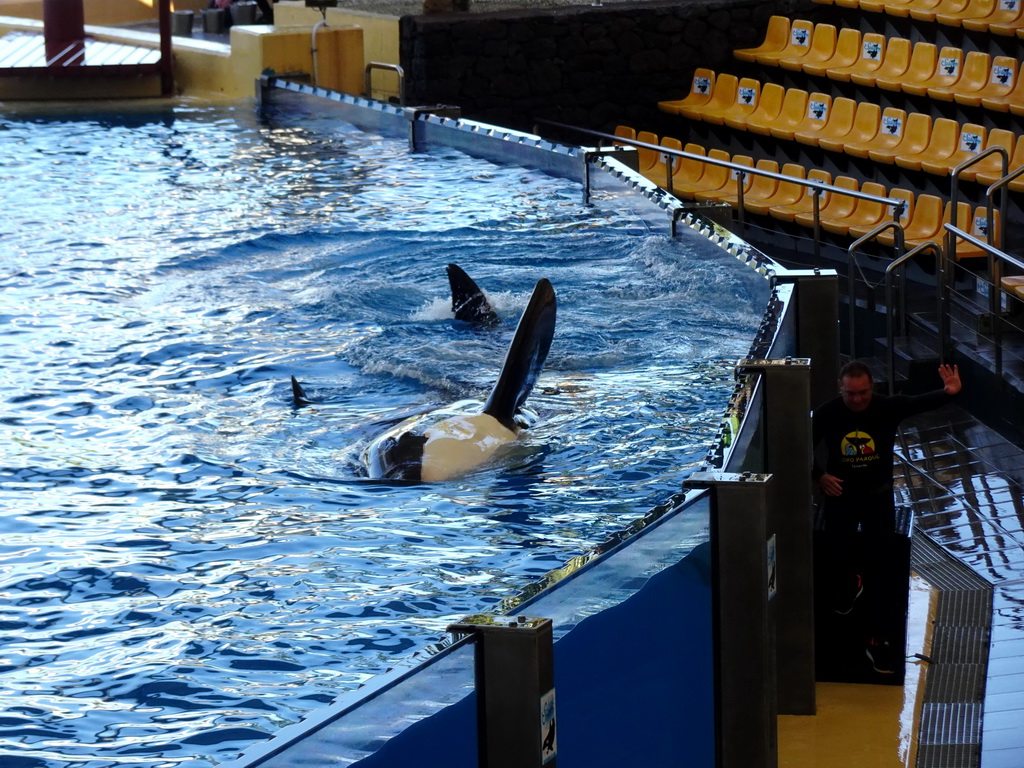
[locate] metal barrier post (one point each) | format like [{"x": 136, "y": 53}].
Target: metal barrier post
[
  {"x": 817, "y": 317},
  {"x": 515, "y": 690},
  {"x": 746, "y": 716},
  {"x": 787, "y": 456}
]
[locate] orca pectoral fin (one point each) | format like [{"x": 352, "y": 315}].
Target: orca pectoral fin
[
  {"x": 468, "y": 302},
  {"x": 299, "y": 398},
  {"x": 526, "y": 355}
]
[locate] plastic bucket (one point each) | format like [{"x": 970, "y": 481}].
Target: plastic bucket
[
  {"x": 244, "y": 13},
  {"x": 181, "y": 23},
  {"x": 213, "y": 20}
]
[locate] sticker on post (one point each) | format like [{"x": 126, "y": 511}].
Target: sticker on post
[
  {"x": 773, "y": 569},
  {"x": 548, "y": 734}
]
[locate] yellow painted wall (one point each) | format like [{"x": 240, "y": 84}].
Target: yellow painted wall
[{"x": 380, "y": 36}]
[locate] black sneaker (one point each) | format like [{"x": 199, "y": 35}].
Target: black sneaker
[
  {"x": 845, "y": 599},
  {"x": 882, "y": 656}
]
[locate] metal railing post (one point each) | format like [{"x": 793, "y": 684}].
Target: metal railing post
[
  {"x": 889, "y": 333},
  {"x": 515, "y": 690},
  {"x": 746, "y": 716}
]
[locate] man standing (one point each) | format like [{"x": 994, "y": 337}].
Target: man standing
[{"x": 858, "y": 430}]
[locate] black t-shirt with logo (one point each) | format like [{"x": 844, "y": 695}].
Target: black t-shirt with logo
[{"x": 859, "y": 445}]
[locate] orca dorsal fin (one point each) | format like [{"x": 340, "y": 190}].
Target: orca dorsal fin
[
  {"x": 525, "y": 357},
  {"x": 299, "y": 398},
  {"x": 468, "y": 302}
]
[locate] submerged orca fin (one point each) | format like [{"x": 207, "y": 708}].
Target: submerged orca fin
[
  {"x": 525, "y": 357},
  {"x": 468, "y": 302},
  {"x": 298, "y": 395}
]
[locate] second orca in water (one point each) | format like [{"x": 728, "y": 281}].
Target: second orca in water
[
  {"x": 437, "y": 446},
  {"x": 468, "y": 302}
]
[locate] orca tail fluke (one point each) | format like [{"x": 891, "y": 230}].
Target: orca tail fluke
[
  {"x": 299, "y": 398},
  {"x": 468, "y": 302},
  {"x": 526, "y": 355}
]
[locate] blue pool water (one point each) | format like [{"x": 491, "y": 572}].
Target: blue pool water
[{"x": 188, "y": 563}]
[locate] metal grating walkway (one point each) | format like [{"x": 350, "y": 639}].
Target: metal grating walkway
[{"x": 966, "y": 486}]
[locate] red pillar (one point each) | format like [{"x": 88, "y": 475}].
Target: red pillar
[{"x": 63, "y": 31}]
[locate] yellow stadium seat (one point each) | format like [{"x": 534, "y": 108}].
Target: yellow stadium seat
[
  {"x": 838, "y": 206},
  {"x": 775, "y": 39},
  {"x": 647, "y": 158},
  {"x": 889, "y": 134},
  {"x": 866, "y": 213},
  {"x": 687, "y": 173},
  {"x": 941, "y": 144},
  {"x": 859, "y": 230},
  {"x": 822, "y": 48},
  {"x": 917, "y": 130},
  {"x": 727, "y": 191},
  {"x": 977, "y": 225},
  {"x": 762, "y": 187},
  {"x": 867, "y": 58},
  {"x": 1006, "y": 21},
  {"x": 747, "y": 92},
  {"x": 714, "y": 176},
  {"x": 1014, "y": 285},
  {"x": 722, "y": 96},
  {"x": 929, "y": 12},
  {"x": 872, "y": 6},
  {"x": 976, "y": 70},
  {"x": 1005, "y": 12},
  {"x": 624, "y": 132},
  {"x": 925, "y": 222},
  {"x": 805, "y": 204},
  {"x": 658, "y": 172},
  {"x": 794, "y": 104},
  {"x": 988, "y": 177},
  {"x": 895, "y": 62},
  {"x": 997, "y": 137},
  {"x": 1015, "y": 95},
  {"x": 902, "y": 8},
  {"x": 972, "y": 9},
  {"x": 786, "y": 193},
  {"x": 847, "y": 53},
  {"x": 800, "y": 33},
  {"x": 970, "y": 142},
  {"x": 948, "y": 69},
  {"x": 923, "y": 59},
  {"x": 815, "y": 113},
  {"x": 701, "y": 88},
  {"x": 767, "y": 111},
  {"x": 865, "y": 125},
  {"x": 999, "y": 83},
  {"x": 838, "y": 125}
]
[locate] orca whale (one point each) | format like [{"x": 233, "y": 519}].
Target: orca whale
[
  {"x": 436, "y": 447},
  {"x": 468, "y": 302}
]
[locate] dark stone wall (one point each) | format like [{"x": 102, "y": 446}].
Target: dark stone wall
[{"x": 592, "y": 66}]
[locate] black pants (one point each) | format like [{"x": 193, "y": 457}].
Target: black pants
[{"x": 875, "y": 555}]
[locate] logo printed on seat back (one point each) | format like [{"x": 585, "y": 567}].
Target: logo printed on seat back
[
  {"x": 949, "y": 65},
  {"x": 1002, "y": 75},
  {"x": 872, "y": 51},
  {"x": 701, "y": 84},
  {"x": 893, "y": 126}
]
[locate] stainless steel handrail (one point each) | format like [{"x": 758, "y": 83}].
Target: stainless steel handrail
[
  {"x": 890, "y": 337},
  {"x": 996, "y": 256},
  {"x": 368, "y": 78},
  {"x": 742, "y": 170},
  {"x": 851, "y": 263},
  {"x": 995, "y": 269}
]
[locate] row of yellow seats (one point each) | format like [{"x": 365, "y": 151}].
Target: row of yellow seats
[
  {"x": 948, "y": 74},
  {"x": 860, "y": 129},
  {"x": 1001, "y": 17},
  {"x": 922, "y": 218}
]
